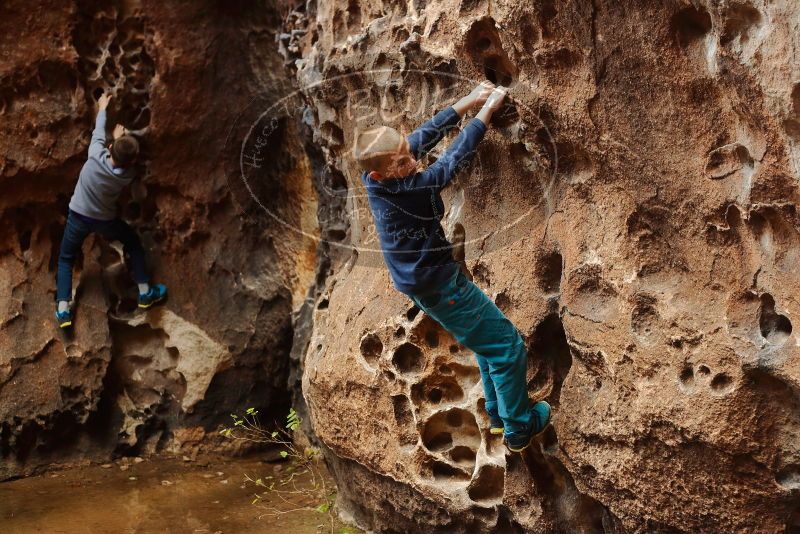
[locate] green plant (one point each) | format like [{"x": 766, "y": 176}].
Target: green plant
[{"x": 316, "y": 491}]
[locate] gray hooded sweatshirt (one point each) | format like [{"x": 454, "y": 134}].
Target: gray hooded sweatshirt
[{"x": 99, "y": 183}]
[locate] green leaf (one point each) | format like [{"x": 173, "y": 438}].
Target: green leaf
[
  {"x": 292, "y": 420},
  {"x": 284, "y": 454},
  {"x": 323, "y": 508},
  {"x": 274, "y": 434}
]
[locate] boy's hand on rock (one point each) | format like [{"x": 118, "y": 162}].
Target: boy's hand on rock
[
  {"x": 481, "y": 93},
  {"x": 102, "y": 102},
  {"x": 495, "y": 99},
  {"x": 119, "y": 131}
]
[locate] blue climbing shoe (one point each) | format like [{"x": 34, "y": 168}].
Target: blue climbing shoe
[
  {"x": 64, "y": 318},
  {"x": 157, "y": 293},
  {"x": 519, "y": 441}
]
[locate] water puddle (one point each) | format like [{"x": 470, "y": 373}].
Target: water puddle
[{"x": 164, "y": 495}]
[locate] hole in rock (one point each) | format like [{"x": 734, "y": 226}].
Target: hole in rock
[
  {"x": 335, "y": 234},
  {"x": 371, "y": 347},
  {"x": 463, "y": 455},
  {"x": 454, "y": 349},
  {"x": 789, "y": 477},
  {"x": 439, "y": 433},
  {"x": 24, "y": 240},
  {"x": 726, "y": 160},
  {"x": 548, "y": 269},
  {"x": 741, "y": 21},
  {"x": 733, "y": 216},
  {"x": 408, "y": 358},
  {"x": 454, "y": 418},
  {"x": 445, "y": 369},
  {"x": 443, "y": 471},
  {"x": 483, "y": 45},
  {"x": 323, "y": 304},
  {"x": 488, "y": 485},
  {"x": 551, "y": 348},
  {"x": 703, "y": 370},
  {"x": 437, "y": 389},
  {"x": 547, "y": 12},
  {"x": 687, "y": 376},
  {"x": 400, "y": 332},
  {"x": 503, "y": 301},
  {"x": 690, "y": 25},
  {"x": 721, "y": 383},
  {"x": 438, "y": 442},
  {"x": 775, "y": 327},
  {"x": 498, "y": 71},
  {"x": 411, "y": 314},
  {"x": 432, "y": 338}
]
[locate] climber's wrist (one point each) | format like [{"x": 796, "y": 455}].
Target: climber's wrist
[{"x": 464, "y": 104}]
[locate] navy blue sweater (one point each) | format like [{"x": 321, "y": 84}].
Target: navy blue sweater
[{"x": 408, "y": 211}]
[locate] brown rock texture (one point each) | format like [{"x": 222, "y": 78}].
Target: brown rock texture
[
  {"x": 131, "y": 382},
  {"x": 634, "y": 212}
]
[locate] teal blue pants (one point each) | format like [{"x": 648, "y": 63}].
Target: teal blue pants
[{"x": 473, "y": 319}]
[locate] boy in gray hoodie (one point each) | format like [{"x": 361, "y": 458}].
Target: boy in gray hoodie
[{"x": 93, "y": 209}]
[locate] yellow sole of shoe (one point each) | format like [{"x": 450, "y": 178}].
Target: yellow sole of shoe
[
  {"x": 533, "y": 437},
  {"x": 496, "y": 431},
  {"x": 145, "y": 306},
  {"x": 65, "y": 325}
]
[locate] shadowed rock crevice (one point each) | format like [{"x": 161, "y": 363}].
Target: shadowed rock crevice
[
  {"x": 408, "y": 358},
  {"x": 571, "y": 510},
  {"x": 549, "y": 268},
  {"x": 690, "y": 25},
  {"x": 549, "y": 360},
  {"x": 775, "y": 327}
]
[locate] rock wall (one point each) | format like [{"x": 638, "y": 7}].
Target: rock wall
[
  {"x": 130, "y": 382},
  {"x": 633, "y": 212}
]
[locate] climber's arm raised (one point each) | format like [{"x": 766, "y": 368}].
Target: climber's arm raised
[
  {"x": 423, "y": 139},
  {"x": 98, "y": 142},
  {"x": 462, "y": 149}
]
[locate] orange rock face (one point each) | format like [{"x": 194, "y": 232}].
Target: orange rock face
[
  {"x": 633, "y": 211},
  {"x": 130, "y": 382}
]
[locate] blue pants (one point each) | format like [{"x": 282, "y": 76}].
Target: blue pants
[
  {"x": 75, "y": 232},
  {"x": 473, "y": 319}
]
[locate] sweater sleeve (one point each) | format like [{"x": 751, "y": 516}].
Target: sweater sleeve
[
  {"x": 457, "y": 156},
  {"x": 98, "y": 142},
  {"x": 423, "y": 139}
]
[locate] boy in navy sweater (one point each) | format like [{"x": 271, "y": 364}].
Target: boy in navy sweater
[
  {"x": 407, "y": 207},
  {"x": 93, "y": 209}
]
